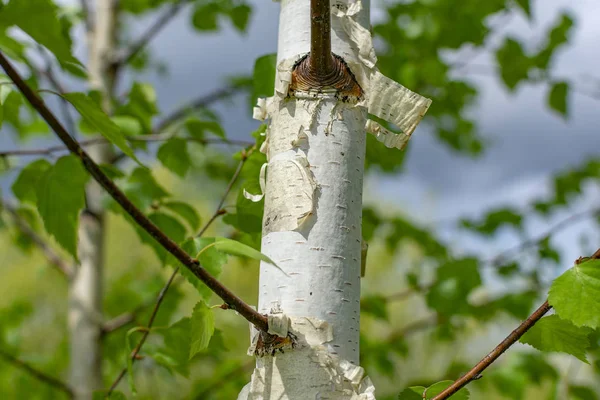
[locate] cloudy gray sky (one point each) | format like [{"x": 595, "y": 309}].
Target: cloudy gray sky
[{"x": 529, "y": 143}]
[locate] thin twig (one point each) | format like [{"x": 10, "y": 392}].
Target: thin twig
[
  {"x": 53, "y": 258},
  {"x": 414, "y": 327},
  {"x": 200, "y": 102},
  {"x": 475, "y": 372},
  {"x": 101, "y": 140},
  {"x": 137, "y": 349},
  {"x": 235, "y": 303},
  {"x": 42, "y": 376},
  {"x": 220, "y": 211},
  {"x": 123, "y": 319},
  {"x": 153, "y": 30},
  {"x": 501, "y": 258},
  {"x": 164, "y": 290}
]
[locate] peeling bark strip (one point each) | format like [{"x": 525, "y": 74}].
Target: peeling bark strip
[{"x": 315, "y": 148}]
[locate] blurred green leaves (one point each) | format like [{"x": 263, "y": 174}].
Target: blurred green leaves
[{"x": 60, "y": 198}]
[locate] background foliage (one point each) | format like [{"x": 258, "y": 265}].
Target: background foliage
[{"x": 429, "y": 308}]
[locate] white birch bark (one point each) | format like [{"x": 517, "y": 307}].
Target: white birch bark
[
  {"x": 86, "y": 289},
  {"x": 312, "y": 228}
]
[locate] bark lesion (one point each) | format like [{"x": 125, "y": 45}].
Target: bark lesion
[{"x": 339, "y": 80}]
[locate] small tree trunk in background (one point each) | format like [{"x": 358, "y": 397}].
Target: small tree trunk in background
[
  {"x": 86, "y": 291},
  {"x": 312, "y": 226}
]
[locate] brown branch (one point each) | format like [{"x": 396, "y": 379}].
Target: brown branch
[
  {"x": 53, "y": 258},
  {"x": 164, "y": 290},
  {"x": 234, "y": 302},
  {"x": 133, "y": 50},
  {"x": 321, "y": 59},
  {"x": 475, "y": 372},
  {"x": 42, "y": 376}
]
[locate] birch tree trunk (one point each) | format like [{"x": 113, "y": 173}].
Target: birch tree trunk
[
  {"x": 312, "y": 222},
  {"x": 86, "y": 289}
]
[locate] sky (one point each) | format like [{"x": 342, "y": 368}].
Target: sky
[{"x": 528, "y": 142}]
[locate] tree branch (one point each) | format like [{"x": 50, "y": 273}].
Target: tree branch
[
  {"x": 511, "y": 339},
  {"x": 475, "y": 372},
  {"x": 164, "y": 290},
  {"x": 258, "y": 320},
  {"x": 321, "y": 59},
  {"x": 53, "y": 258},
  {"x": 57, "y": 384},
  {"x": 137, "y": 46}
]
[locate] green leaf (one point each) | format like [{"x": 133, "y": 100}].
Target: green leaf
[
  {"x": 575, "y": 295},
  {"x": 525, "y": 6},
  {"x": 142, "y": 189},
  {"x": 495, "y": 220},
  {"x": 141, "y": 105},
  {"x": 556, "y": 37},
  {"x": 437, "y": 388},
  {"x": 25, "y": 186},
  {"x": 578, "y": 392},
  {"x": 410, "y": 394},
  {"x": 557, "y": 98},
  {"x": 60, "y": 198},
  {"x": 206, "y": 17},
  {"x": 203, "y": 327},
  {"x": 514, "y": 63},
  {"x": 39, "y": 19},
  {"x": 128, "y": 125},
  {"x": 211, "y": 259},
  {"x": 169, "y": 226},
  {"x": 176, "y": 350},
  {"x": 94, "y": 116},
  {"x": 173, "y": 154},
  {"x": 235, "y": 248},
  {"x": 240, "y": 15},
  {"x": 554, "y": 334},
  {"x": 455, "y": 280},
  {"x": 187, "y": 212},
  {"x": 263, "y": 80},
  {"x": 375, "y": 306},
  {"x": 197, "y": 128}
]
